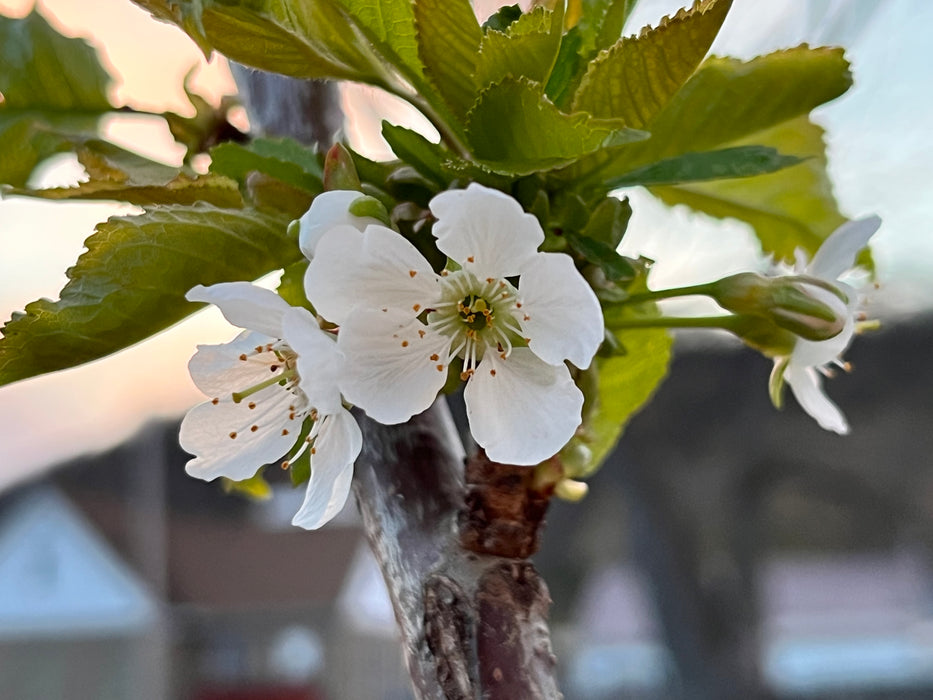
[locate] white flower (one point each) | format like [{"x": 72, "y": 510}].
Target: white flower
[
  {"x": 265, "y": 383},
  {"x": 401, "y": 324},
  {"x": 809, "y": 359},
  {"x": 329, "y": 209}
]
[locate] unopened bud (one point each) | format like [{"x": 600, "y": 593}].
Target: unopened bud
[
  {"x": 571, "y": 490},
  {"x": 808, "y": 307},
  {"x": 339, "y": 170}
]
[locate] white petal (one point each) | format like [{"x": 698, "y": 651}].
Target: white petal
[
  {"x": 207, "y": 428},
  {"x": 837, "y": 253},
  {"x": 319, "y": 360},
  {"x": 390, "y": 372},
  {"x": 522, "y": 410},
  {"x": 218, "y": 371},
  {"x": 374, "y": 269},
  {"x": 245, "y": 305},
  {"x": 812, "y": 353},
  {"x": 485, "y": 230},
  {"x": 561, "y": 314},
  {"x": 329, "y": 209},
  {"x": 337, "y": 446},
  {"x": 808, "y": 390}
]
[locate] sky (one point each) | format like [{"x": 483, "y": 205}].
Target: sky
[{"x": 879, "y": 160}]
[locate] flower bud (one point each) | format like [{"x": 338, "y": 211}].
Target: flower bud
[
  {"x": 339, "y": 170},
  {"x": 328, "y": 210},
  {"x": 808, "y": 307}
]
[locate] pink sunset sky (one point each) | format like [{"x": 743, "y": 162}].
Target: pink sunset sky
[{"x": 879, "y": 159}]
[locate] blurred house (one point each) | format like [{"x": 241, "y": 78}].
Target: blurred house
[
  {"x": 121, "y": 577},
  {"x": 728, "y": 550}
]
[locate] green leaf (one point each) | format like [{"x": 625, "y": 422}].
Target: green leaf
[
  {"x": 527, "y": 48},
  {"x": 390, "y": 26},
  {"x": 738, "y": 161},
  {"x": 308, "y": 39},
  {"x": 600, "y": 22},
  {"x": 625, "y": 383},
  {"x": 568, "y": 69},
  {"x": 283, "y": 158},
  {"x": 636, "y": 78},
  {"x": 255, "y": 488},
  {"x": 53, "y": 89},
  {"x": 415, "y": 150},
  {"x": 515, "y": 125},
  {"x": 616, "y": 267},
  {"x": 131, "y": 282},
  {"x": 788, "y": 209},
  {"x": 725, "y": 101},
  {"x": 42, "y": 70},
  {"x": 448, "y": 43},
  {"x": 594, "y": 26},
  {"x": 501, "y": 19},
  {"x": 609, "y": 221},
  {"x": 120, "y": 175}
]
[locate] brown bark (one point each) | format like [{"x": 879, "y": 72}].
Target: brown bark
[
  {"x": 472, "y": 611},
  {"x": 473, "y": 620}
]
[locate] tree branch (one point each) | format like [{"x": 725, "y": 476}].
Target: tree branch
[{"x": 473, "y": 622}]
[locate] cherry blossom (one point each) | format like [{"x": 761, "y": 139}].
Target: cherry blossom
[
  {"x": 506, "y": 315},
  {"x": 809, "y": 360},
  {"x": 264, "y": 384}
]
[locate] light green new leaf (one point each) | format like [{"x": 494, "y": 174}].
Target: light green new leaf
[
  {"x": 594, "y": 25},
  {"x": 120, "y": 175},
  {"x": 787, "y": 209},
  {"x": 390, "y": 26},
  {"x": 131, "y": 282},
  {"x": 625, "y": 383},
  {"x": 516, "y": 127},
  {"x": 53, "y": 89},
  {"x": 725, "y": 101},
  {"x": 728, "y": 99},
  {"x": 449, "y": 38},
  {"x": 308, "y": 39},
  {"x": 282, "y": 158},
  {"x": 599, "y": 22},
  {"x": 636, "y": 78},
  {"x": 527, "y": 48}
]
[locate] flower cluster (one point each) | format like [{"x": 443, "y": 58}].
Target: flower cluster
[{"x": 503, "y": 316}]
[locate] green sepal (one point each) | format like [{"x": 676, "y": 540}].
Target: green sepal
[{"x": 292, "y": 284}]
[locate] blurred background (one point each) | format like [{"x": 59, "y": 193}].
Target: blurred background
[{"x": 726, "y": 550}]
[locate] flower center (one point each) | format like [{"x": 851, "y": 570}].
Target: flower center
[
  {"x": 476, "y": 312},
  {"x": 477, "y": 315}
]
